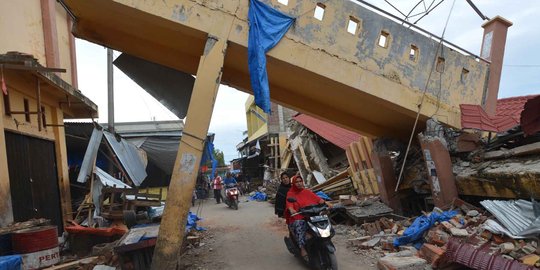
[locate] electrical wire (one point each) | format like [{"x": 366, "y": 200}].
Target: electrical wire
[{"x": 423, "y": 97}]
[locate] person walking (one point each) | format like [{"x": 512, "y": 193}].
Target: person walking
[
  {"x": 217, "y": 186},
  {"x": 281, "y": 194}
]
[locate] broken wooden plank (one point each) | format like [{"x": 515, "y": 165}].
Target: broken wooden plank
[{"x": 348, "y": 153}]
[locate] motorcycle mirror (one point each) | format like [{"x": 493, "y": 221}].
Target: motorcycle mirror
[{"x": 291, "y": 199}]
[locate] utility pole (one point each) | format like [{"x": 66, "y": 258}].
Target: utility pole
[{"x": 110, "y": 90}]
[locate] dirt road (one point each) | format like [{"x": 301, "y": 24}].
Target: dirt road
[{"x": 251, "y": 238}]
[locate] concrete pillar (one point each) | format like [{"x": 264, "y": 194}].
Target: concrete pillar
[
  {"x": 439, "y": 167},
  {"x": 6, "y": 212},
  {"x": 386, "y": 176},
  {"x": 201, "y": 105},
  {"x": 493, "y": 45},
  {"x": 50, "y": 33},
  {"x": 62, "y": 168}
]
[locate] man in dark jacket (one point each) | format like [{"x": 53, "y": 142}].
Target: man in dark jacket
[{"x": 281, "y": 194}]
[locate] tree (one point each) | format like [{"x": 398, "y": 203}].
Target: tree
[{"x": 218, "y": 155}]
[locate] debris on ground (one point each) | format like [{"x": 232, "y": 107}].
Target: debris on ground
[{"x": 442, "y": 238}]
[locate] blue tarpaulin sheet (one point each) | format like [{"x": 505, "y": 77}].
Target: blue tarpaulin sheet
[
  {"x": 208, "y": 154},
  {"x": 192, "y": 223},
  {"x": 258, "y": 196},
  {"x": 323, "y": 196},
  {"x": 266, "y": 28},
  {"x": 414, "y": 234},
  {"x": 12, "y": 262}
]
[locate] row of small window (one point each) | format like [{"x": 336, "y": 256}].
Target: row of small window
[
  {"x": 27, "y": 113},
  {"x": 352, "y": 28}
]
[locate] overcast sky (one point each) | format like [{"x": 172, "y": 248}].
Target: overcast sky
[{"x": 520, "y": 74}]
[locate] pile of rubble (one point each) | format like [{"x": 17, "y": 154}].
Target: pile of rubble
[{"x": 463, "y": 236}]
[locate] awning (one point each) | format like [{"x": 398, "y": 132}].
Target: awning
[
  {"x": 25, "y": 67},
  {"x": 336, "y": 135},
  {"x": 170, "y": 87}
]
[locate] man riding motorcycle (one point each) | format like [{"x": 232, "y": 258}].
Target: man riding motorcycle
[{"x": 231, "y": 191}]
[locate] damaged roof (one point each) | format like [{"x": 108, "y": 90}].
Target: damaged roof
[
  {"x": 508, "y": 114},
  {"x": 336, "y": 135}
]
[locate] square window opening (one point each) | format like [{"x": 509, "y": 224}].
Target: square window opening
[
  {"x": 383, "y": 39},
  {"x": 283, "y": 2},
  {"x": 43, "y": 117},
  {"x": 319, "y": 11},
  {"x": 7, "y": 105},
  {"x": 26, "y": 110},
  {"x": 464, "y": 75},
  {"x": 440, "y": 65},
  {"x": 352, "y": 26},
  {"x": 413, "y": 53}
]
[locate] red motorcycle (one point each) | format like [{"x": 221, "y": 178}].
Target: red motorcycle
[{"x": 231, "y": 196}]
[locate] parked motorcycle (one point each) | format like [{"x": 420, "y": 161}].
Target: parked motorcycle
[
  {"x": 319, "y": 246},
  {"x": 231, "y": 196}
]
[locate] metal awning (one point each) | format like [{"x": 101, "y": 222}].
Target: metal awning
[
  {"x": 25, "y": 67},
  {"x": 170, "y": 87}
]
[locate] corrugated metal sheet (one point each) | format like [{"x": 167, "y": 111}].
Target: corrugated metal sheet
[
  {"x": 336, "y": 135},
  {"x": 170, "y": 87},
  {"x": 109, "y": 181},
  {"x": 128, "y": 156},
  {"x": 516, "y": 216},
  {"x": 90, "y": 155}
]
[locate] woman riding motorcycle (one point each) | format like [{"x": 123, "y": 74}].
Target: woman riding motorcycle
[{"x": 303, "y": 197}]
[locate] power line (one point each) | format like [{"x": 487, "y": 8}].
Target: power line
[{"x": 521, "y": 65}]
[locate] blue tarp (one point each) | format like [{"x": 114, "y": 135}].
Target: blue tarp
[
  {"x": 208, "y": 154},
  {"x": 192, "y": 223},
  {"x": 12, "y": 262},
  {"x": 414, "y": 234},
  {"x": 266, "y": 28},
  {"x": 258, "y": 196},
  {"x": 323, "y": 196}
]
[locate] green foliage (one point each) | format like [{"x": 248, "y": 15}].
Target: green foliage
[{"x": 218, "y": 155}]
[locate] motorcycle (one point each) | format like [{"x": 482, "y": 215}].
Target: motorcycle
[
  {"x": 231, "y": 196},
  {"x": 319, "y": 246}
]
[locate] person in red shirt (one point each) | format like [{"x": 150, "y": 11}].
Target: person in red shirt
[
  {"x": 217, "y": 186},
  {"x": 304, "y": 197}
]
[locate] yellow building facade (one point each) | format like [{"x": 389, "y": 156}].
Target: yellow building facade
[{"x": 37, "y": 62}]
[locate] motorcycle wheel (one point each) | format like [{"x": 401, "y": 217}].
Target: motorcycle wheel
[
  {"x": 235, "y": 205},
  {"x": 332, "y": 262}
]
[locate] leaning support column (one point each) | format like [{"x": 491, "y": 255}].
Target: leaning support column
[
  {"x": 201, "y": 105},
  {"x": 386, "y": 177},
  {"x": 439, "y": 167}
]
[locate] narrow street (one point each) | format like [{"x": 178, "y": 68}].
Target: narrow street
[{"x": 252, "y": 238}]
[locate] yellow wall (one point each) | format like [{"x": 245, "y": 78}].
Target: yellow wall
[
  {"x": 256, "y": 126},
  {"x": 6, "y": 215},
  {"x": 22, "y": 31},
  {"x": 21, "y": 28},
  {"x": 63, "y": 43}
]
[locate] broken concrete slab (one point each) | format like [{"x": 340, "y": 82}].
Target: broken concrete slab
[{"x": 402, "y": 263}]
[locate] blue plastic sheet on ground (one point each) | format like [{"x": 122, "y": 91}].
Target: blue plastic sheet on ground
[
  {"x": 266, "y": 28},
  {"x": 192, "y": 223},
  {"x": 11, "y": 262},
  {"x": 414, "y": 234},
  {"x": 323, "y": 196},
  {"x": 258, "y": 196}
]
